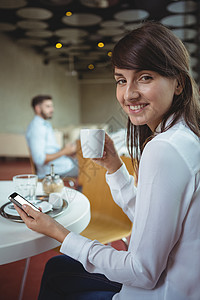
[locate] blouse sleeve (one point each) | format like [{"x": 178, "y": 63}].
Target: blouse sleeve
[
  {"x": 123, "y": 190},
  {"x": 162, "y": 201}
]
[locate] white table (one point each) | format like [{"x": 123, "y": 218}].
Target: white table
[{"x": 18, "y": 242}]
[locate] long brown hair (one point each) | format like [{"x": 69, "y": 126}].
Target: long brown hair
[{"x": 154, "y": 47}]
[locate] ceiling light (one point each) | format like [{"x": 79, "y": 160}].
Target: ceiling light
[
  {"x": 32, "y": 42},
  {"x": 71, "y": 33},
  {"x": 99, "y": 3},
  {"x": 7, "y": 26},
  {"x": 191, "y": 47},
  {"x": 91, "y": 66},
  {"x": 82, "y": 19},
  {"x": 101, "y": 45},
  {"x": 182, "y": 7},
  {"x": 59, "y": 45},
  {"x": 110, "y": 31},
  {"x": 10, "y": 4},
  {"x": 131, "y": 15},
  {"x": 179, "y": 20},
  {"x": 68, "y": 13},
  {"x": 39, "y": 33},
  {"x": 28, "y": 24},
  {"x": 34, "y": 13},
  {"x": 185, "y": 33}
]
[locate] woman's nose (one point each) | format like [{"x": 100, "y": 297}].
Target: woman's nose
[{"x": 131, "y": 93}]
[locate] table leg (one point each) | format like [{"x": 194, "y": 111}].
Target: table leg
[{"x": 24, "y": 278}]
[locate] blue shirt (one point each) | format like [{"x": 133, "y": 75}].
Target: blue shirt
[{"x": 41, "y": 141}]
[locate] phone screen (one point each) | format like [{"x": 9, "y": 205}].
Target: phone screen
[{"x": 19, "y": 200}]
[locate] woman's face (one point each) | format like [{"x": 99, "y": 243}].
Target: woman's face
[{"x": 145, "y": 96}]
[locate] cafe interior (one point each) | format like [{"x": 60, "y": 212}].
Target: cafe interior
[{"x": 63, "y": 48}]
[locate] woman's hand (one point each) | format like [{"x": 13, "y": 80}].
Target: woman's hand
[
  {"x": 110, "y": 160},
  {"x": 42, "y": 223}
]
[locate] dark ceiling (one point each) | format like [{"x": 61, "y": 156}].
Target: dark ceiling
[{"x": 41, "y": 24}]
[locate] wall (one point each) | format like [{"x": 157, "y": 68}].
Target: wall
[
  {"x": 99, "y": 104},
  {"x": 22, "y": 76}
]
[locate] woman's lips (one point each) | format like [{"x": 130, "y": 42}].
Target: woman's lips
[{"x": 137, "y": 108}]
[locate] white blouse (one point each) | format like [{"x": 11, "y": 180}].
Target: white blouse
[{"x": 163, "y": 259}]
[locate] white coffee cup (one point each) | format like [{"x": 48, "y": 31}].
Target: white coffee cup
[{"x": 92, "y": 142}]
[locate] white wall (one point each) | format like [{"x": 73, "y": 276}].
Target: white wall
[
  {"x": 99, "y": 104},
  {"x": 22, "y": 76}
]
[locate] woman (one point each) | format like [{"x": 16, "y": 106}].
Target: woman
[{"x": 156, "y": 91}]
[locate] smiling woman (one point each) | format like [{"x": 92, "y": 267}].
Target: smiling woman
[
  {"x": 158, "y": 78},
  {"x": 145, "y": 96},
  {"x": 161, "y": 100}
]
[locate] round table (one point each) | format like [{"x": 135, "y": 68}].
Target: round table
[{"x": 18, "y": 242}]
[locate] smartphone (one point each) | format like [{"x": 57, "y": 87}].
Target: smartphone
[{"x": 19, "y": 201}]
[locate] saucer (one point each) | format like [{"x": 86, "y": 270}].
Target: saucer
[
  {"x": 14, "y": 216},
  {"x": 45, "y": 206}
]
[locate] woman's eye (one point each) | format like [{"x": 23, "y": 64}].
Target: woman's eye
[
  {"x": 145, "y": 77},
  {"x": 120, "y": 81}
]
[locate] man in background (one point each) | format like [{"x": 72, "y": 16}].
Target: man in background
[{"x": 42, "y": 143}]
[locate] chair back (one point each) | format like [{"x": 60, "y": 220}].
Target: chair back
[
  {"x": 94, "y": 187},
  {"x": 33, "y": 166}
]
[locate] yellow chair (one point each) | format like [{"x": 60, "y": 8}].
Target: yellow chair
[
  {"x": 33, "y": 166},
  {"x": 108, "y": 221}
]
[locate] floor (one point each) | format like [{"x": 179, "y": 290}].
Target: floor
[{"x": 11, "y": 274}]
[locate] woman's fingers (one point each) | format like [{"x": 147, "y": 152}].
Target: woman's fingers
[
  {"x": 110, "y": 160},
  {"x": 21, "y": 212},
  {"x": 28, "y": 214},
  {"x": 42, "y": 223},
  {"x": 29, "y": 210}
]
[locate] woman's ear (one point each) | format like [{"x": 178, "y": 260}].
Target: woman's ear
[{"x": 179, "y": 88}]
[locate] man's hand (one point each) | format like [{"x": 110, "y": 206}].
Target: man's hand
[
  {"x": 70, "y": 149},
  {"x": 42, "y": 223}
]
